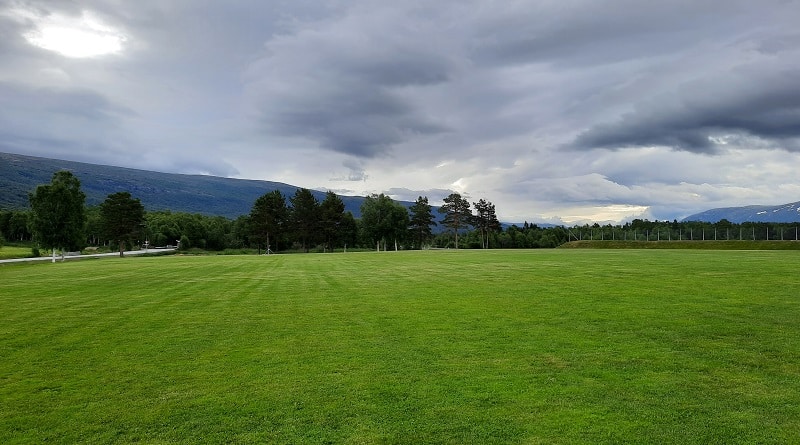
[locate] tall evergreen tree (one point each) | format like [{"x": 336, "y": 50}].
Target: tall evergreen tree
[
  {"x": 304, "y": 217},
  {"x": 457, "y": 213},
  {"x": 486, "y": 221},
  {"x": 58, "y": 213},
  {"x": 421, "y": 221},
  {"x": 331, "y": 213},
  {"x": 268, "y": 219},
  {"x": 121, "y": 218},
  {"x": 348, "y": 230}
]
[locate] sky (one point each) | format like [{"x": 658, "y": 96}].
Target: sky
[{"x": 569, "y": 111}]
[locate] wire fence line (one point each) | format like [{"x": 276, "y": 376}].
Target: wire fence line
[{"x": 763, "y": 233}]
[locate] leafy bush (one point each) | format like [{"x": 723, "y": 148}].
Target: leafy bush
[{"x": 184, "y": 243}]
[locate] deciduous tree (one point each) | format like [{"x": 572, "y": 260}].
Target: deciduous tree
[
  {"x": 14, "y": 225},
  {"x": 382, "y": 220},
  {"x": 58, "y": 213}
]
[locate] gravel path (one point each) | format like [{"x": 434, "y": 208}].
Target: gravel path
[{"x": 93, "y": 255}]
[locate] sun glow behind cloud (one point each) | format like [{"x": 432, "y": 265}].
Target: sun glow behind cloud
[
  {"x": 605, "y": 214},
  {"x": 76, "y": 37}
]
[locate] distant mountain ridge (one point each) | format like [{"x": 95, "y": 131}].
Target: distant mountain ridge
[
  {"x": 785, "y": 213},
  {"x": 209, "y": 195},
  {"x": 212, "y": 195}
]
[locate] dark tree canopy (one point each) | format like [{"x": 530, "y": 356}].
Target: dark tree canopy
[
  {"x": 348, "y": 230},
  {"x": 331, "y": 215},
  {"x": 457, "y": 214},
  {"x": 383, "y": 220},
  {"x": 121, "y": 218},
  {"x": 58, "y": 213},
  {"x": 305, "y": 217},
  {"x": 269, "y": 218},
  {"x": 201, "y": 231},
  {"x": 14, "y": 225},
  {"x": 421, "y": 221}
]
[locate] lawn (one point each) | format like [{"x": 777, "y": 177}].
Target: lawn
[
  {"x": 546, "y": 346},
  {"x": 8, "y": 252}
]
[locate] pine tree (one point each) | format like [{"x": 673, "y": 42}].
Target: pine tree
[
  {"x": 331, "y": 213},
  {"x": 304, "y": 217},
  {"x": 268, "y": 218},
  {"x": 486, "y": 221},
  {"x": 421, "y": 221},
  {"x": 121, "y": 218},
  {"x": 457, "y": 213}
]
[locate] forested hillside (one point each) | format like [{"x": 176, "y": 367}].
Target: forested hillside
[{"x": 208, "y": 195}]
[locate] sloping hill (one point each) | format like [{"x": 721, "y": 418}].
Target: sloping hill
[
  {"x": 208, "y": 195},
  {"x": 786, "y": 213}
]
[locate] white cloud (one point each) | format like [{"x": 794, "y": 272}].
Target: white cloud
[{"x": 79, "y": 37}]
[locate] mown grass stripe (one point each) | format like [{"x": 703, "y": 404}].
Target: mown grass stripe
[{"x": 439, "y": 347}]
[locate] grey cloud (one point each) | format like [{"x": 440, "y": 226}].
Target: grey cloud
[
  {"x": 350, "y": 96},
  {"x": 582, "y": 33},
  {"x": 776, "y": 44},
  {"x": 355, "y": 173},
  {"x": 84, "y": 104},
  {"x": 703, "y": 117},
  {"x": 12, "y": 44},
  {"x": 200, "y": 166},
  {"x": 68, "y": 124},
  {"x": 405, "y": 194},
  {"x": 359, "y": 133},
  {"x": 68, "y": 120},
  {"x": 574, "y": 189}
]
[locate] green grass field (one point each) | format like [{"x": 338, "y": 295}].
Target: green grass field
[
  {"x": 546, "y": 346},
  {"x": 8, "y": 252}
]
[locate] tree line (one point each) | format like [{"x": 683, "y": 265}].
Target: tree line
[
  {"x": 58, "y": 219},
  {"x": 722, "y": 230}
]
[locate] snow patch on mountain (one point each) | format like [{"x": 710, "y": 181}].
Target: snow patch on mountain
[{"x": 784, "y": 213}]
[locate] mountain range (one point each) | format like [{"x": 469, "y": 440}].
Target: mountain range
[
  {"x": 785, "y": 213},
  {"x": 209, "y": 195},
  {"x": 212, "y": 195}
]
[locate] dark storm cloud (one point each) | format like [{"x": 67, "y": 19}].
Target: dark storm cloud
[
  {"x": 364, "y": 124},
  {"x": 705, "y": 116},
  {"x": 82, "y": 104},
  {"x": 348, "y": 83},
  {"x": 361, "y": 134},
  {"x": 345, "y": 83},
  {"x": 80, "y": 124},
  {"x": 585, "y": 33}
]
